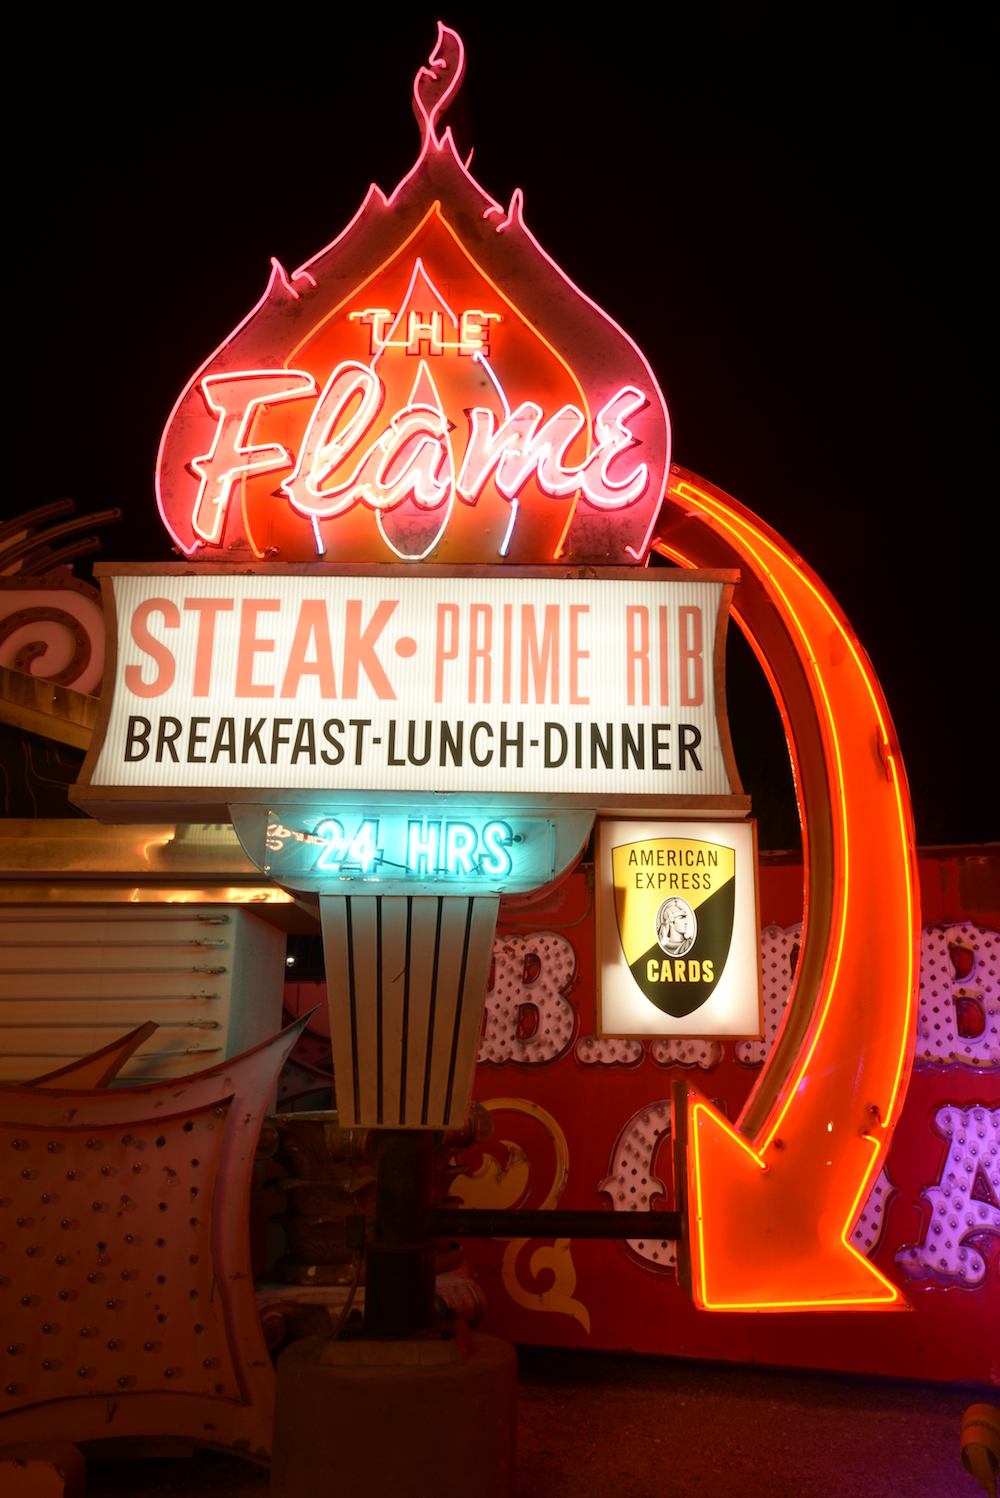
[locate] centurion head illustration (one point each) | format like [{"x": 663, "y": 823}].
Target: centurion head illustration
[
  {"x": 675, "y": 900},
  {"x": 430, "y": 386}
]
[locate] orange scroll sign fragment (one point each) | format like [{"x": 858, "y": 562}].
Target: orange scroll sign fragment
[{"x": 772, "y": 1199}]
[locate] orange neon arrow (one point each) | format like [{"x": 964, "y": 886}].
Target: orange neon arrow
[{"x": 773, "y": 1200}]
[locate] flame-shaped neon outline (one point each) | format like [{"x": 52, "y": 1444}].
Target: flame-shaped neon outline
[{"x": 514, "y": 217}]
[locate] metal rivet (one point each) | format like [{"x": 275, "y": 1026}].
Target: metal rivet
[
  {"x": 123, "y": 1381},
  {"x": 160, "y": 1142},
  {"x": 25, "y": 1175},
  {"x": 66, "y": 1223},
  {"x": 163, "y": 1206},
  {"x": 48, "y": 1363},
  {"x": 112, "y": 1345},
  {"x": 46, "y": 1327},
  {"x": 129, "y": 1238},
  {"x": 105, "y": 1170},
  {"x": 147, "y": 1346},
  {"x": 85, "y": 1331},
  {"x": 46, "y": 1197},
  {"x": 22, "y": 1222},
  {"x": 92, "y": 1279},
  {"x": 207, "y": 1363},
  {"x": 126, "y": 1274},
  {"x": 111, "y": 1304},
  {"x": 199, "y": 1328},
  {"x": 19, "y": 1144},
  {"x": 63, "y": 1295},
  {"x": 136, "y": 1169},
  {"x": 13, "y": 1349},
  {"x": 31, "y": 1252},
  {"x": 188, "y": 1127},
  {"x": 126, "y": 1139},
  {"x": 71, "y": 1175},
  {"x": 26, "y": 1300},
  {"x": 168, "y": 1372},
  {"x": 96, "y": 1206},
  {"x": 93, "y": 1144},
  {"x": 82, "y": 1372},
  {"x": 161, "y": 1279},
  {"x": 193, "y": 1294},
  {"x": 60, "y": 1258}
]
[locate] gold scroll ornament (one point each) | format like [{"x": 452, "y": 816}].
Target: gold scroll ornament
[{"x": 496, "y": 1187}]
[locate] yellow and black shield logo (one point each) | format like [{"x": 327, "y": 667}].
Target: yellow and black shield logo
[{"x": 674, "y": 898}]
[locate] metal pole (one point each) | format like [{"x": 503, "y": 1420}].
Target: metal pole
[{"x": 399, "y": 1263}]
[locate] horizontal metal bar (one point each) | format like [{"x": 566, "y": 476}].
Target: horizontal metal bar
[
  {"x": 105, "y": 1024},
  {"x": 117, "y": 946},
  {"x": 468, "y": 1222},
  {"x": 153, "y": 915},
  {"x": 147, "y": 1057},
  {"x": 107, "y": 972},
  {"x": 112, "y": 998}
]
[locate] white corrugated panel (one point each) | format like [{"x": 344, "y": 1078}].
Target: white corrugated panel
[{"x": 74, "y": 978}]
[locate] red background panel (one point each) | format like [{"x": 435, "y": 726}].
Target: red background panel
[{"x": 950, "y": 1332}]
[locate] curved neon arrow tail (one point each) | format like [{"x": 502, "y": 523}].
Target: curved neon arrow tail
[{"x": 771, "y": 1215}]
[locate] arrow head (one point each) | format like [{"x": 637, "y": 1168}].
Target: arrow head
[{"x": 771, "y": 1236}]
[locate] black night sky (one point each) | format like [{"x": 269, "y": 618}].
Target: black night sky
[{"x": 785, "y": 207}]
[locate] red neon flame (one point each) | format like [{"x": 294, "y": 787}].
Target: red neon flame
[{"x": 331, "y": 476}]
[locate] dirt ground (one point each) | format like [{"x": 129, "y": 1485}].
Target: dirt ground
[{"x": 629, "y": 1427}]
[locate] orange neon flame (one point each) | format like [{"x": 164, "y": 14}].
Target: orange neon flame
[{"x": 772, "y": 1215}]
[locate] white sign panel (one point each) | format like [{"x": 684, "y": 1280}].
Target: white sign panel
[
  {"x": 394, "y": 682},
  {"x": 677, "y": 923}
]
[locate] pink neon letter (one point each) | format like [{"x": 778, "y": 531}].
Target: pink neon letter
[
  {"x": 614, "y": 438},
  {"x": 236, "y": 399},
  {"x": 324, "y": 448},
  {"x": 517, "y": 449}
]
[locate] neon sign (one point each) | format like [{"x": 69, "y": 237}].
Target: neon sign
[
  {"x": 381, "y": 848},
  {"x": 415, "y": 680},
  {"x": 429, "y": 386},
  {"x": 786, "y": 1179}
]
